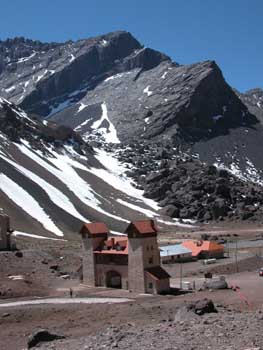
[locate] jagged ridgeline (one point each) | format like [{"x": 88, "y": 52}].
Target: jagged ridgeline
[{"x": 173, "y": 128}]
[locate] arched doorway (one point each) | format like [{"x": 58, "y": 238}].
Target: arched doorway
[{"x": 113, "y": 279}]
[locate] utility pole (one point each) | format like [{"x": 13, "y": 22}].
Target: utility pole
[
  {"x": 181, "y": 275},
  {"x": 227, "y": 248}
]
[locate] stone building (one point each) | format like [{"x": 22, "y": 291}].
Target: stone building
[
  {"x": 131, "y": 262},
  {"x": 5, "y": 231}
]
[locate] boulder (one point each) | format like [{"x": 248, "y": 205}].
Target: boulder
[
  {"x": 19, "y": 254},
  {"x": 216, "y": 284},
  {"x": 42, "y": 335},
  {"x": 201, "y": 307},
  {"x": 170, "y": 210}
]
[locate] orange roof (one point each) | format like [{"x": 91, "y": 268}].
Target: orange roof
[
  {"x": 113, "y": 245},
  {"x": 143, "y": 226},
  {"x": 199, "y": 246},
  {"x": 95, "y": 228}
]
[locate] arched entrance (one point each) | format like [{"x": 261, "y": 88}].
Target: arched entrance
[{"x": 113, "y": 279}]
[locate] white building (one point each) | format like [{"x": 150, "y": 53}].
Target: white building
[{"x": 175, "y": 253}]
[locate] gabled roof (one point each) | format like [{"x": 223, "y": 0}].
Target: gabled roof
[
  {"x": 94, "y": 229},
  {"x": 174, "y": 249},
  {"x": 157, "y": 273},
  {"x": 113, "y": 245},
  {"x": 142, "y": 227},
  {"x": 199, "y": 246}
]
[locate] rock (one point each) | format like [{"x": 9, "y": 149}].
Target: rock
[
  {"x": 184, "y": 213},
  {"x": 19, "y": 254},
  {"x": 157, "y": 176},
  {"x": 219, "y": 208},
  {"x": 223, "y": 173},
  {"x": 216, "y": 284},
  {"x": 170, "y": 210},
  {"x": 42, "y": 335},
  {"x": 222, "y": 190},
  {"x": 185, "y": 314},
  {"x": 201, "y": 307}
]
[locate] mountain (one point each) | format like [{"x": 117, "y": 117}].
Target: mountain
[
  {"x": 115, "y": 113},
  {"x": 51, "y": 180}
]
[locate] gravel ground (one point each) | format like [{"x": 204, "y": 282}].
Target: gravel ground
[{"x": 223, "y": 331}]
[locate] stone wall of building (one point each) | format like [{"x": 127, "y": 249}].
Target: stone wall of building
[
  {"x": 4, "y": 234},
  {"x": 88, "y": 260},
  {"x": 154, "y": 286},
  {"x": 136, "y": 265},
  {"x": 102, "y": 270}
]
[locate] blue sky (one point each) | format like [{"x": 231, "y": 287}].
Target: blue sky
[{"x": 228, "y": 31}]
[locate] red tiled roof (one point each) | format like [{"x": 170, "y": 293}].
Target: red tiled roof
[
  {"x": 157, "y": 273},
  {"x": 200, "y": 246},
  {"x": 144, "y": 226},
  {"x": 95, "y": 228},
  {"x": 111, "y": 244}
]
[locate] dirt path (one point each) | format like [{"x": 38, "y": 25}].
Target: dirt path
[{"x": 57, "y": 301}]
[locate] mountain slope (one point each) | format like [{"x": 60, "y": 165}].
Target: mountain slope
[{"x": 51, "y": 181}]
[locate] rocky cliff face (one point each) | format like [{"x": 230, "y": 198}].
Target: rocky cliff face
[
  {"x": 37, "y": 75},
  {"x": 168, "y": 101},
  {"x": 253, "y": 99}
]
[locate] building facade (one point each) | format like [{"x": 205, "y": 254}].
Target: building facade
[{"x": 131, "y": 262}]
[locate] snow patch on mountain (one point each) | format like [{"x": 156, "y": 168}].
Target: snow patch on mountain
[
  {"x": 56, "y": 196},
  {"x": 23, "y": 199},
  {"x": 217, "y": 117},
  {"x": 250, "y": 173},
  {"x": 110, "y": 133},
  {"x": 147, "y": 91},
  {"x": 59, "y": 107},
  {"x": 117, "y": 76},
  {"x": 81, "y": 107},
  {"x": 24, "y": 59},
  {"x": 63, "y": 167}
]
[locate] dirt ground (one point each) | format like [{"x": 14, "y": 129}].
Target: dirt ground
[{"x": 49, "y": 269}]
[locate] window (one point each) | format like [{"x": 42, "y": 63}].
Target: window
[
  {"x": 147, "y": 248},
  {"x": 151, "y": 247},
  {"x": 150, "y": 260},
  {"x": 150, "y": 285}
]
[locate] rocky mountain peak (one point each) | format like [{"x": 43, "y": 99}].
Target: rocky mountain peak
[{"x": 41, "y": 75}]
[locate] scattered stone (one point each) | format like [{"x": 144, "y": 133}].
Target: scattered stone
[{"x": 19, "y": 254}]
